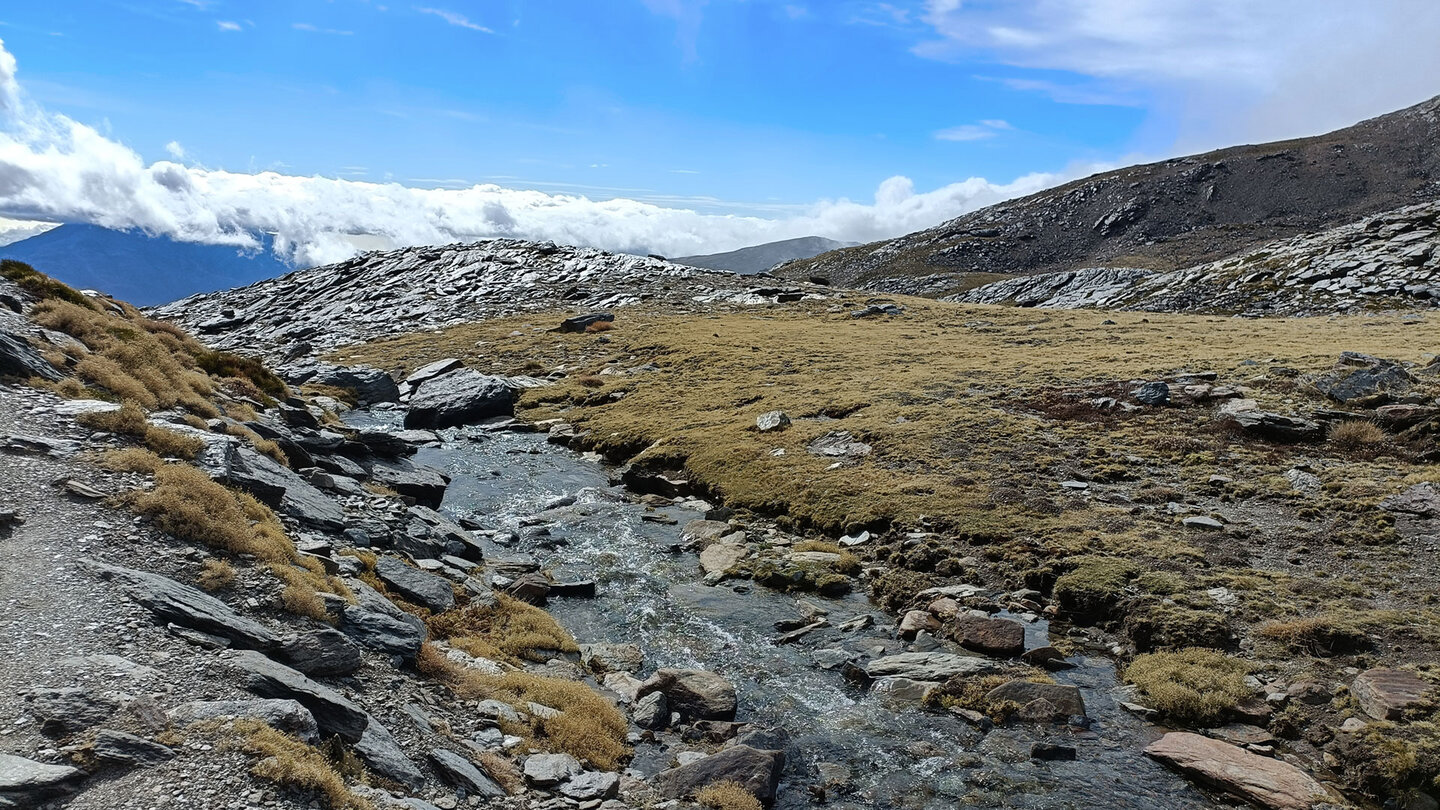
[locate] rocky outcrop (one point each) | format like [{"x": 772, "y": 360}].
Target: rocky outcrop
[
  {"x": 1386, "y": 694},
  {"x": 416, "y": 289},
  {"x": 1179, "y": 213},
  {"x": 1262, "y": 781},
  {"x": 25, "y": 782},
  {"x": 334, "y": 713},
  {"x": 1390, "y": 260},
  {"x": 18, "y": 359}
]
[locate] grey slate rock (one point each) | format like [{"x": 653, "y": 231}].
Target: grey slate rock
[
  {"x": 172, "y": 602},
  {"x": 119, "y": 748},
  {"x": 1066, "y": 699},
  {"x": 425, "y": 484},
  {"x": 378, "y": 624},
  {"x": 334, "y": 713},
  {"x": 462, "y": 773},
  {"x": 383, "y": 755},
  {"x": 18, "y": 359},
  {"x": 279, "y": 487},
  {"x": 283, "y": 715},
  {"x": 325, "y": 652},
  {"x": 756, "y": 771},
  {"x": 460, "y": 397},
  {"x": 580, "y": 323},
  {"x": 1152, "y": 393},
  {"x": 592, "y": 786},
  {"x": 652, "y": 712},
  {"x": 25, "y": 782},
  {"x": 548, "y": 770},
  {"x": 1278, "y": 427},
  {"x": 371, "y": 385},
  {"x": 69, "y": 709},
  {"x": 415, "y": 585}
]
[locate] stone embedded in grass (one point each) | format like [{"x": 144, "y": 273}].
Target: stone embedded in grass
[
  {"x": 1154, "y": 394},
  {"x": 1386, "y": 694},
  {"x": 1423, "y": 500},
  {"x": 548, "y": 770},
  {"x": 772, "y": 420},
  {"x": 582, "y": 323},
  {"x": 757, "y": 771},
  {"x": 838, "y": 444},
  {"x": 1203, "y": 522}
]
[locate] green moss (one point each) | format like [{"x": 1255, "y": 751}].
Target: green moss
[
  {"x": 1168, "y": 626},
  {"x": 1093, "y": 590}
]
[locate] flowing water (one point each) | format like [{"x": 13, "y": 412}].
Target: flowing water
[{"x": 896, "y": 754}]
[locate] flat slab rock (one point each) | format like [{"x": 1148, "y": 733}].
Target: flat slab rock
[
  {"x": 756, "y": 771},
  {"x": 928, "y": 666},
  {"x": 333, "y": 712},
  {"x": 1385, "y": 694},
  {"x": 186, "y": 606},
  {"x": 1262, "y": 781}
]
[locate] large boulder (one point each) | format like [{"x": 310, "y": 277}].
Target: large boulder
[
  {"x": 377, "y": 623},
  {"x": 1278, "y": 427},
  {"x": 460, "y": 397},
  {"x": 325, "y": 652},
  {"x": 755, "y": 770},
  {"x": 183, "y": 605},
  {"x": 1262, "y": 781},
  {"x": 1066, "y": 699},
  {"x": 277, "y": 486},
  {"x": 425, "y": 484},
  {"x": 695, "y": 694},
  {"x": 334, "y": 713}
]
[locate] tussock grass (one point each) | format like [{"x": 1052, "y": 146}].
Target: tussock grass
[
  {"x": 513, "y": 631},
  {"x": 1357, "y": 435},
  {"x": 1195, "y": 685},
  {"x": 818, "y": 545},
  {"x": 216, "y": 575},
  {"x": 188, "y": 505},
  {"x": 727, "y": 795},
  {"x": 292, "y": 764},
  {"x": 588, "y": 728},
  {"x": 40, "y": 285},
  {"x": 1322, "y": 635}
]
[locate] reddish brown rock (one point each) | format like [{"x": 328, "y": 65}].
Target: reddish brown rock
[
  {"x": 915, "y": 621},
  {"x": 1385, "y": 694},
  {"x": 1000, "y": 637},
  {"x": 1262, "y": 781}
]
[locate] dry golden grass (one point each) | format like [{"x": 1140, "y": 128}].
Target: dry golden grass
[
  {"x": 131, "y": 459},
  {"x": 502, "y": 770},
  {"x": 216, "y": 574},
  {"x": 1357, "y": 435},
  {"x": 512, "y": 631},
  {"x": 128, "y": 421},
  {"x": 938, "y": 393},
  {"x": 291, "y": 764},
  {"x": 1195, "y": 685},
  {"x": 185, "y": 503},
  {"x": 818, "y": 545},
  {"x": 588, "y": 728},
  {"x": 727, "y": 795},
  {"x": 172, "y": 444},
  {"x": 600, "y": 326}
]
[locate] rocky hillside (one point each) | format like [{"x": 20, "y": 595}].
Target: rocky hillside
[
  {"x": 415, "y": 289},
  {"x": 759, "y": 258},
  {"x": 1388, "y": 261},
  {"x": 1162, "y": 216}
]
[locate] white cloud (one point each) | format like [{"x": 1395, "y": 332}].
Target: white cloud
[
  {"x": 229, "y": 25},
  {"x": 315, "y": 29},
  {"x": 453, "y": 18},
  {"x": 1236, "y": 69},
  {"x": 175, "y": 150},
  {"x": 980, "y": 131},
  {"x": 55, "y": 169}
]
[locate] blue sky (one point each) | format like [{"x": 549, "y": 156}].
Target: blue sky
[
  {"x": 757, "y": 103},
  {"x": 764, "y": 109}
]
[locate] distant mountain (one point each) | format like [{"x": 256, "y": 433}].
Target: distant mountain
[
  {"x": 1162, "y": 216},
  {"x": 759, "y": 258},
  {"x": 144, "y": 270}
]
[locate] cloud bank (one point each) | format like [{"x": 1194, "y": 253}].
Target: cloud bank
[
  {"x": 56, "y": 169},
  {"x": 1229, "y": 70}
]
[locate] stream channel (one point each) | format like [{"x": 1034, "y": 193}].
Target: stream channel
[{"x": 894, "y": 753}]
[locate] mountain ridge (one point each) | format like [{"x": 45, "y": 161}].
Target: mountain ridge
[
  {"x": 763, "y": 257},
  {"x": 1165, "y": 215}
]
